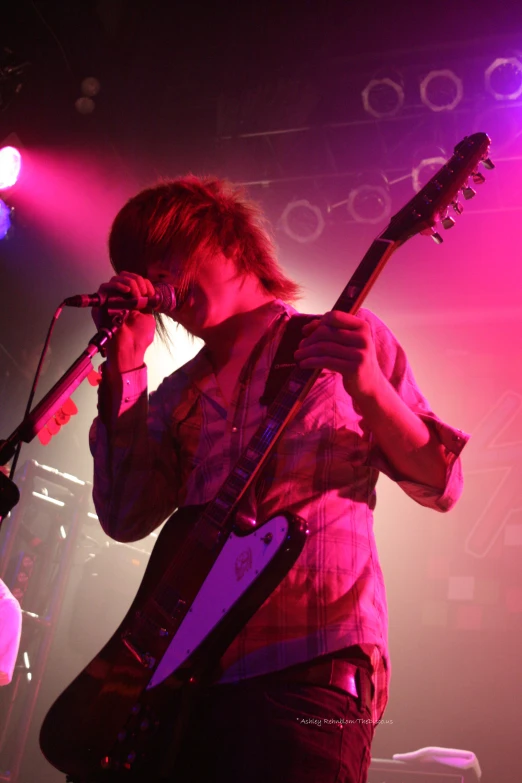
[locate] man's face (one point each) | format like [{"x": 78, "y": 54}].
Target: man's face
[{"x": 211, "y": 297}]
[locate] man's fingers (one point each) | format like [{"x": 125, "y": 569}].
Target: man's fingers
[
  {"x": 324, "y": 334},
  {"x": 344, "y": 320},
  {"x": 324, "y": 350},
  {"x": 310, "y": 327},
  {"x": 128, "y": 283}
]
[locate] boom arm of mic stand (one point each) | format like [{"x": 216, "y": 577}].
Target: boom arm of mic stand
[{"x": 61, "y": 391}]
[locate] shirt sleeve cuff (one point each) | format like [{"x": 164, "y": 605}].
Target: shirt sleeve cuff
[
  {"x": 120, "y": 414},
  {"x": 453, "y": 441},
  {"x": 134, "y": 385}
]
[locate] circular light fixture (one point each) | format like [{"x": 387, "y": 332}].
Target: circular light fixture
[
  {"x": 369, "y": 203},
  {"x": 10, "y": 165},
  {"x": 383, "y": 97},
  {"x": 441, "y": 90},
  {"x": 301, "y": 221},
  {"x": 425, "y": 170},
  {"x": 503, "y": 78}
]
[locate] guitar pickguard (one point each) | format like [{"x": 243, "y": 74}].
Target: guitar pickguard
[{"x": 240, "y": 562}]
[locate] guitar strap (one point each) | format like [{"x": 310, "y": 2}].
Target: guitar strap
[{"x": 284, "y": 361}]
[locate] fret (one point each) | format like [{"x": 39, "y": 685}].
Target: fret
[
  {"x": 294, "y": 386},
  {"x": 216, "y": 514},
  {"x": 225, "y": 497},
  {"x": 266, "y": 437},
  {"x": 236, "y": 481},
  {"x": 244, "y": 467}
]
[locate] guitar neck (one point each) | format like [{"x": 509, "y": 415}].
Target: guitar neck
[
  {"x": 418, "y": 216},
  {"x": 290, "y": 398}
]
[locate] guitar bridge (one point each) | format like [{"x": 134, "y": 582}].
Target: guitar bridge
[{"x": 145, "y": 658}]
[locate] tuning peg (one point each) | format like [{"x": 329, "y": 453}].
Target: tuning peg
[
  {"x": 468, "y": 192},
  {"x": 430, "y": 232},
  {"x": 457, "y": 206},
  {"x": 478, "y": 177},
  {"x": 488, "y": 163},
  {"x": 448, "y": 222}
]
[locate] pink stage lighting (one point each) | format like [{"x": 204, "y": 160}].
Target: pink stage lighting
[{"x": 10, "y": 165}]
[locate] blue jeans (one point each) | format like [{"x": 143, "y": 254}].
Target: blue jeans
[{"x": 266, "y": 731}]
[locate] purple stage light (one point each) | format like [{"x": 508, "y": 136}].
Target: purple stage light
[
  {"x": 503, "y": 78},
  {"x": 10, "y": 165},
  {"x": 5, "y": 219}
]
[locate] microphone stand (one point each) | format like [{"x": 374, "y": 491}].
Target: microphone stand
[{"x": 52, "y": 402}]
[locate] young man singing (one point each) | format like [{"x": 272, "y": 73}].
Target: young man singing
[{"x": 303, "y": 684}]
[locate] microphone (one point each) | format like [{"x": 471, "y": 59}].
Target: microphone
[{"x": 163, "y": 300}]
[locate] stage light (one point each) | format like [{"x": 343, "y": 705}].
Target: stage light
[
  {"x": 503, "y": 78},
  {"x": 441, "y": 90},
  {"x": 383, "y": 97},
  {"x": 5, "y": 219},
  {"x": 426, "y": 169},
  {"x": 10, "y": 165},
  {"x": 369, "y": 203},
  {"x": 302, "y": 221}
]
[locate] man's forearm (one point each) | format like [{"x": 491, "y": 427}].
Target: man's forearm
[{"x": 410, "y": 446}]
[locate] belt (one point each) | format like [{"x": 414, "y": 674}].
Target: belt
[{"x": 332, "y": 672}]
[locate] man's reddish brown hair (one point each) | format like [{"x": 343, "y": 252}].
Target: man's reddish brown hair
[{"x": 193, "y": 218}]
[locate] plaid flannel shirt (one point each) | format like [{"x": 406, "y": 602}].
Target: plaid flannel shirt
[{"x": 176, "y": 448}]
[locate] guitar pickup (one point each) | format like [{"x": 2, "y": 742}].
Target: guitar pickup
[
  {"x": 170, "y": 601},
  {"x": 145, "y": 658}
]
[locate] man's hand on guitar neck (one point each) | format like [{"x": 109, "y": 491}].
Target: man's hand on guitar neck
[{"x": 344, "y": 343}]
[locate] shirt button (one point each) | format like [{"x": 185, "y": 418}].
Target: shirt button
[{"x": 234, "y": 429}]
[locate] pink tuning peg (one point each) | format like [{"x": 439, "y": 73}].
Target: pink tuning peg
[{"x": 430, "y": 232}]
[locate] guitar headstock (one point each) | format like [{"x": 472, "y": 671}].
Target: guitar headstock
[{"x": 440, "y": 196}]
